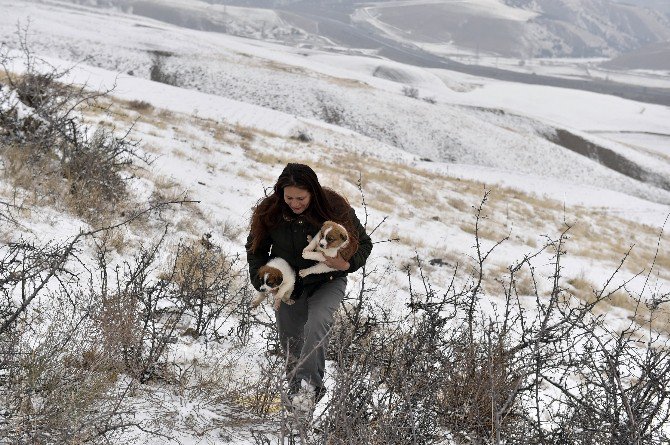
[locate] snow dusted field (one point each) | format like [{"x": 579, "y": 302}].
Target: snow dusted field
[{"x": 231, "y": 123}]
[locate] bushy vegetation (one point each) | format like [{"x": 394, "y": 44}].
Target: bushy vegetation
[
  {"x": 78, "y": 337},
  {"x": 158, "y": 71},
  {"x": 538, "y": 367},
  {"x": 49, "y": 150}
]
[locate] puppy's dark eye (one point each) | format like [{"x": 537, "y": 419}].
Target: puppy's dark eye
[{"x": 329, "y": 239}]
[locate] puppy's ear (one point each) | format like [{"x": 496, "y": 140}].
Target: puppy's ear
[{"x": 262, "y": 271}]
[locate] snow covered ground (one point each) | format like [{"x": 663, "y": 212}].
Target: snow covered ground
[
  {"x": 231, "y": 124},
  {"x": 360, "y": 94}
]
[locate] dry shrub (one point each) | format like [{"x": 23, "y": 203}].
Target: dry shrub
[
  {"x": 623, "y": 300},
  {"x": 409, "y": 380},
  {"x": 645, "y": 314},
  {"x": 263, "y": 157},
  {"x": 59, "y": 385},
  {"x": 459, "y": 204},
  {"x": 500, "y": 275},
  {"x": 411, "y": 92},
  {"x": 278, "y": 66},
  {"x": 49, "y": 144},
  {"x": 382, "y": 200},
  {"x": 582, "y": 288},
  {"x": 243, "y": 173},
  {"x": 140, "y": 105},
  {"x": 445, "y": 365},
  {"x": 163, "y": 183},
  {"x": 55, "y": 399},
  {"x": 219, "y": 131},
  {"x": 531, "y": 242},
  {"x": 660, "y": 319},
  {"x": 246, "y": 133},
  {"x": 400, "y": 184},
  {"x": 207, "y": 284},
  {"x": 491, "y": 231},
  {"x": 641, "y": 259},
  {"x": 197, "y": 256},
  {"x": 480, "y": 376},
  {"x": 231, "y": 230},
  {"x": 158, "y": 72},
  {"x": 118, "y": 321},
  {"x": 23, "y": 166}
]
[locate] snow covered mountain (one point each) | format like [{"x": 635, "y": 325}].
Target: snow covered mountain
[
  {"x": 509, "y": 28},
  {"x": 588, "y": 28},
  {"x": 522, "y": 28}
]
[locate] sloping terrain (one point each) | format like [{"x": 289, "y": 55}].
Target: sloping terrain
[
  {"x": 562, "y": 28},
  {"x": 221, "y": 154},
  {"x": 386, "y": 110},
  {"x": 655, "y": 56}
]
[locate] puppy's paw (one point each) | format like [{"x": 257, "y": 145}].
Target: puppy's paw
[
  {"x": 305, "y": 254},
  {"x": 290, "y": 301},
  {"x": 309, "y": 238},
  {"x": 303, "y": 273}
]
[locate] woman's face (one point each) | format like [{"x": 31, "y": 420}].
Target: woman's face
[{"x": 297, "y": 199}]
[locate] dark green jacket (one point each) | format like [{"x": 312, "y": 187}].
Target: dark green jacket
[{"x": 289, "y": 239}]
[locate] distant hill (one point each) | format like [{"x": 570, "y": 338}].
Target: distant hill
[
  {"x": 659, "y": 5},
  {"x": 655, "y": 56},
  {"x": 600, "y": 27},
  {"x": 508, "y": 28},
  {"x": 525, "y": 28}
]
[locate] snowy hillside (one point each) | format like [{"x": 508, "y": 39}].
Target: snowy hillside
[
  {"x": 520, "y": 28},
  {"x": 425, "y": 146},
  {"x": 370, "y": 96}
]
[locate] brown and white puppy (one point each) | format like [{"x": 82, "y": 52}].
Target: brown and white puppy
[
  {"x": 278, "y": 278},
  {"x": 329, "y": 241}
]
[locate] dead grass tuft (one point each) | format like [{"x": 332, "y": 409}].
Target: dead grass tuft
[
  {"x": 263, "y": 157},
  {"x": 246, "y": 133},
  {"x": 140, "y": 106},
  {"x": 219, "y": 131},
  {"x": 489, "y": 230},
  {"x": 582, "y": 288},
  {"x": 459, "y": 204}
]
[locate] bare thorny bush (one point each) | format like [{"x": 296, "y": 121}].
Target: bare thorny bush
[
  {"x": 45, "y": 146},
  {"x": 529, "y": 369},
  {"x": 78, "y": 337},
  {"x": 54, "y": 390}
]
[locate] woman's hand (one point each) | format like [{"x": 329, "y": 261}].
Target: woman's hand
[{"x": 337, "y": 262}]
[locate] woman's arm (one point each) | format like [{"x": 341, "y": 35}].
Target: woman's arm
[{"x": 257, "y": 259}]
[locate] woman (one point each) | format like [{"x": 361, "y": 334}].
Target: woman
[{"x": 280, "y": 226}]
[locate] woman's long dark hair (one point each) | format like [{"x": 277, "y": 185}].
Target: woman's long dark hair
[{"x": 325, "y": 204}]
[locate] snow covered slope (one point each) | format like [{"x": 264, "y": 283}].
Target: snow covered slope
[
  {"x": 521, "y": 28},
  {"x": 437, "y": 115}
]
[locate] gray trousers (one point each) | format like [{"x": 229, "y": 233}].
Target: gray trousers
[{"x": 304, "y": 327}]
